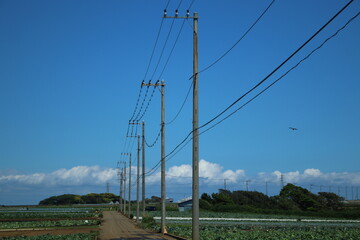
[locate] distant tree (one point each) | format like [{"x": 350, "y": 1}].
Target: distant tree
[
  {"x": 221, "y": 198},
  {"x": 331, "y": 200},
  {"x": 302, "y": 197},
  {"x": 65, "y": 199},
  {"x": 206, "y": 197}
]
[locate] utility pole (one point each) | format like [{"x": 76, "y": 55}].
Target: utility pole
[
  {"x": 124, "y": 198},
  {"x": 266, "y": 188},
  {"x": 143, "y": 169},
  {"x": 120, "y": 174},
  {"x": 195, "y": 188},
  {"x": 195, "y": 154},
  {"x": 129, "y": 201},
  {"x": 163, "y": 189},
  {"x": 129, "y": 197},
  {"x": 138, "y": 181}
]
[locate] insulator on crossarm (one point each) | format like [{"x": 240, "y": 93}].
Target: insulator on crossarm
[
  {"x": 176, "y": 13},
  {"x": 165, "y": 12},
  {"x": 187, "y": 13}
]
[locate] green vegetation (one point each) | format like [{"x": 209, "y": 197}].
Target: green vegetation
[
  {"x": 148, "y": 222},
  {"x": 47, "y": 224},
  {"x": 91, "y": 198},
  {"x": 249, "y": 232},
  {"x": 292, "y": 200},
  {"x": 42, "y": 215},
  {"x": 78, "y": 236}
]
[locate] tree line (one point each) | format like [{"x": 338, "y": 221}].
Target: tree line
[
  {"x": 91, "y": 198},
  {"x": 291, "y": 200}
]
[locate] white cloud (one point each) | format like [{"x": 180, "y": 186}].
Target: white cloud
[
  {"x": 75, "y": 176},
  {"x": 312, "y": 176},
  {"x": 178, "y": 180}
]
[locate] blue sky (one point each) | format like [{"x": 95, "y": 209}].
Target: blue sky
[{"x": 70, "y": 74}]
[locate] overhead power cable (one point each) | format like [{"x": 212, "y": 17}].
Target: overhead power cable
[
  {"x": 166, "y": 41},
  {"x": 136, "y": 105},
  {"x": 182, "y": 105},
  {"x": 172, "y": 49},
  {"x": 155, "y": 141},
  {"x": 148, "y": 103},
  {"x": 287, "y": 72},
  {"x": 156, "y": 41},
  {"x": 241, "y": 38},
  {"x": 277, "y": 68},
  {"x": 145, "y": 75},
  {"x": 186, "y": 140}
]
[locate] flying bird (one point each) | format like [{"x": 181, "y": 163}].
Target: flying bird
[{"x": 292, "y": 128}]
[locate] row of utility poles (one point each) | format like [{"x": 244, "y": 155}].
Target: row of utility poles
[
  {"x": 195, "y": 151},
  {"x": 122, "y": 175}
]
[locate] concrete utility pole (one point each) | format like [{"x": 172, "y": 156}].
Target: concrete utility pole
[
  {"x": 129, "y": 201},
  {"x": 163, "y": 189},
  {"x": 195, "y": 190},
  {"x": 143, "y": 169},
  {"x": 195, "y": 155},
  {"x": 124, "y": 198},
  {"x": 121, "y": 186},
  {"x": 138, "y": 181},
  {"x": 129, "y": 195},
  {"x": 266, "y": 188}
]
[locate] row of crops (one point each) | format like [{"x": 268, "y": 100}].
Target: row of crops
[
  {"x": 217, "y": 226},
  {"x": 48, "y": 224},
  {"x": 78, "y": 236},
  {"x": 220, "y": 232},
  {"x": 54, "y": 223}
]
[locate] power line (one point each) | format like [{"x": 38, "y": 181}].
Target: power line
[
  {"x": 156, "y": 41},
  {"x": 148, "y": 103},
  {"x": 241, "y": 38},
  {"x": 277, "y": 68},
  {"x": 287, "y": 72},
  {"x": 142, "y": 104},
  {"x": 155, "y": 141},
  {"x": 182, "y": 105},
  {"x": 166, "y": 40},
  {"x": 172, "y": 49},
  {"x": 187, "y": 139}
]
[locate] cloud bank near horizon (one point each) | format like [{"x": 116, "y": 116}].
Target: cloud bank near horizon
[{"x": 210, "y": 174}]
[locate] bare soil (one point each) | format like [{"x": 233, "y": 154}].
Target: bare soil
[{"x": 118, "y": 227}]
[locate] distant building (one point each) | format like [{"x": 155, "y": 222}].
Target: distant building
[
  {"x": 169, "y": 200},
  {"x": 185, "y": 205}
]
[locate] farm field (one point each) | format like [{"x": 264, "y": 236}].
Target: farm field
[
  {"x": 49, "y": 223},
  {"x": 217, "y": 226}
]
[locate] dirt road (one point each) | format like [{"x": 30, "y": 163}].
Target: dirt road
[{"x": 117, "y": 227}]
